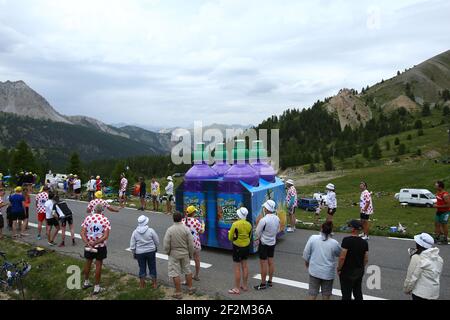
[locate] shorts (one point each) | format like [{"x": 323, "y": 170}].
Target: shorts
[
  {"x": 170, "y": 198},
  {"x": 100, "y": 255},
  {"x": 142, "y": 195},
  {"x": 442, "y": 217},
  {"x": 317, "y": 285},
  {"x": 266, "y": 252},
  {"x": 332, "y": 211},
  {"x": 240, "y": 253},
  {"x": 66, "y": 220},
  {"x": 364, "y": 216},
  {"x": 52, "y": 222},
  {"x": 41, "y": 216},
  {"x": 155, "y": 198},
  {"x": 77, "y": 191},
  {"x": 122, "y": 194},
  {"x": 18, "y": 215},
  {"x": 179, "y": 267},
  {"x": 2, "y": 221}
]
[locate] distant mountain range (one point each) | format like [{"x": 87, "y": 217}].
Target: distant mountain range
[{"x": 25, "y": 114}]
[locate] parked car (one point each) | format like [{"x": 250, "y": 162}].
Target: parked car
[
  {"x": 308, "y": 204},
  {"x": 416, "y": 197}
]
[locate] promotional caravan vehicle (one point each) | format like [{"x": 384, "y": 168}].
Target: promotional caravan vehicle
[
  {"x": 219, "y": 191},
  {"x": 416, "y": 197}
]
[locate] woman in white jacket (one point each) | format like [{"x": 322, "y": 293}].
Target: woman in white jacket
[{"x": 424, "y": 271}]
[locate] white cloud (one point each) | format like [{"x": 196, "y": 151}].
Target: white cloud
[{"x": 173, "y": 62}]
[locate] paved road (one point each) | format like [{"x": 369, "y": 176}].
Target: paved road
[{"x": 390, "y": 255}]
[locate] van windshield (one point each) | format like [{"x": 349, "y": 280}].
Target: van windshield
[{"x": 430, "y": 196}]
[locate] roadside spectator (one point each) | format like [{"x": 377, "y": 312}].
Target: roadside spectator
[
  {"x": 442, "y": 214},
  {"x": 196, "y": 227},
  {"x": 240, "y": 234},
  {"x": 155, "y": 190},
  {"x": 123, "y": 190},
  {"x": 144, "y": 244},
  {"x": 95, "y": 232},
  {"x": 98, "y": 184},
  {"x": 17, "y": 202},
  {"x": 2, "y": 204},
  {"x": 91, "y": 188},
  {"x": 352, "y": 262},
  {"x": 179, "y": 245},
  {"x": 99, "y": 201},
  {"x": 169, "y": 194},
  {"x": 41, "y": 199},
  {"x": 366, "y": 206},
  {"x": 51, "y": 219},
  {"x": 423, "y": 278},
  {"x": 330, "y": 201},
  {"x": 320, "y": 255},
  {"x": 77, "y": 187},
  {"x": 65, "y": 216},
  {"x": 70, "y": 185},
  {"x": 291, "y": 204},
  {"x": 142, "y": 193},
  {"x": 26, "y": 195},
  {"x": 267, "y": 230}
]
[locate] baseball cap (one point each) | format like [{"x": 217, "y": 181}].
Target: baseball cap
[
  {"x": 18, "y": 189},
  {"x": 191, "y": 209},
  {"x": 99, "y": 194},
  {"x": 424, "y": 240}
]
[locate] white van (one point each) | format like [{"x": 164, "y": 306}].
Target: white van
[{"x": 416, "y": 197}]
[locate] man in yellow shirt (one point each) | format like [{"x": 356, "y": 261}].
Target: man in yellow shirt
[{"x": 240, "y": 234}]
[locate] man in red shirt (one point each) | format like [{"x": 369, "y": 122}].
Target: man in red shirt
[{"x": 443, "y": 211}]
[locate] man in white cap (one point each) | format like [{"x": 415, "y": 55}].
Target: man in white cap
[
  {"x": 240, "y": 235},
  {"x": 424, "y": 271},
  {"x": 169, "y": 194},
  {"x": 291, "y": 204},
  {"x": 330, "y": 201},
  {"x": 267, "y": 231}
]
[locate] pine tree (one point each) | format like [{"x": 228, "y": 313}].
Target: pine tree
[
  {"x": 418, "y": 124},
  {"x": 23, "y": 158},
  {"x": 426, "y": 111},
  {"x": 401, "y": 149},
  {"x": 312, "y": 168},
  {"x": 396, "y": 141},
  {"x": 446, "y": 111},
  {"x": 74, "y": 164},
  {"x": 388, "y": 145},
  {"x": 329, "y": 164},
  {"x": 376, "y": 152},
  {"x": 366, "y": 153}
]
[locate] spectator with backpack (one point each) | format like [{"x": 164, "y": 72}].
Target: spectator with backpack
[{"x": 65, "y": 217}]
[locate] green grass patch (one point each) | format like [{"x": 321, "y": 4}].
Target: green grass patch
[
  {"x": 47, "y": 279},
  {"x": 384, "y": 182}
]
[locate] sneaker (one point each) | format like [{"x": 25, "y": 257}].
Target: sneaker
[
  {"x": 289, "y": 230},
  {"x": 270, "y": 284},
  {"x": 39, "y": 237},
  {"x": 98, "y": 290},
  {"x": 443, "y": 241},
  {"x": 51, "y": 243},
  {"x": 61, "y": 245},
  {"x": 361, "y": 235},
  {"x": 260, "y": 287},
  {"x": 365, "y": 237},
  {"x": 73, "y": 242},
  {"x": 87, "y": 285}
]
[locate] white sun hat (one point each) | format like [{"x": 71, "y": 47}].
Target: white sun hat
[
  {"x": 242, "y": 213},
  {"x": 424, "y": 240},
  {"x": 290, "y": 181},
  {"x": 330, "y": 186},
  {"x": 270, "y": 205},
  {"x": 170, "y": 178}
]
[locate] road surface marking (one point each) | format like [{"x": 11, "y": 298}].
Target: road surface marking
[
  {"x": 305, "y": 286},
  {"x": 166, "y": 257},
  {"x": 34, "y": 225},
  {"x": 403, "y": 239}
]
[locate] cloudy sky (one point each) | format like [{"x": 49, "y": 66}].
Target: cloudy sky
[{"x": 169, "y": 63}]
